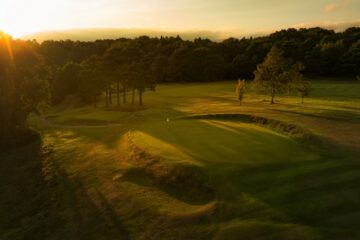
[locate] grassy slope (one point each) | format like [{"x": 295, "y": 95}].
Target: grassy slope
[{"x": 146, "y": 178}]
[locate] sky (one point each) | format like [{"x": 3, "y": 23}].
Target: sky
[{"x": 19, "y": 17}]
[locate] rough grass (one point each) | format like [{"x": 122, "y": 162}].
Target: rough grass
[{"x": 210, "y": 172}]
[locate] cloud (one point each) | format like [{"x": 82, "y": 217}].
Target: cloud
[{"x": 336, "y": 6}]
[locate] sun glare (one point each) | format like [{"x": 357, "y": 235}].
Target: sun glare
[
  {"x": 17, "y": 18},
  {"x": 14, "y": 32},
  {"x": 20, "y": 17}
]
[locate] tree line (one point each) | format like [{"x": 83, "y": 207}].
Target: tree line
[{"x": 124, "y": 65}]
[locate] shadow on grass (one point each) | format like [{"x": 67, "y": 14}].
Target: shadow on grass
[
  {"x": 182, "y": 184},
  {"x": 39, "y": 200},
  {"x": 335, "y": 115},
  {"x": 26, "y": 203},
  {"x": 90, "y": 213}
]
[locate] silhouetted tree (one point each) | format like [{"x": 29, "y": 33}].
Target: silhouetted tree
[
  {"x": 67, "y": 81},
  {"x": 91, "y": 81},
  {"x": 23, "y": 86}
]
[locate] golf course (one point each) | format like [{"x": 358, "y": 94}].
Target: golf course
[{"x": 191, "y": 163}]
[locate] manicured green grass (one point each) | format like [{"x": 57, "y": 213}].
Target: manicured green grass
[
  {"x": 214, "y": 142},
  {"x": 157, "y": 173}
]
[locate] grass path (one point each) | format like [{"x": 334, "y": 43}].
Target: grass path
[{"x": 48, "y": 124}]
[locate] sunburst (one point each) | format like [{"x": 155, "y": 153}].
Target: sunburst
[{"x": 6, "y": 40}]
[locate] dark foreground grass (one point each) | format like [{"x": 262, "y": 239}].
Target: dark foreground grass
[{"x": 161, "y": 173}]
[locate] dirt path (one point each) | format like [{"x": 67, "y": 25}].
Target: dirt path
[{"x": 49, "y": 124}]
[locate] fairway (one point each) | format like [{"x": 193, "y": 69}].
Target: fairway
[{"x": 193, "y": 164}]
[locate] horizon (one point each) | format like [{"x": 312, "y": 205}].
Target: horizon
[
  {"x": 92, "y": 34},
  {"x": 235, "y": 18}
]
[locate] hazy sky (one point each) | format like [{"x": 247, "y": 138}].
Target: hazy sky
[{"x": 18, "y": 17}]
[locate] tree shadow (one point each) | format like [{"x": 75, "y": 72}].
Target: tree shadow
[
  {"x": 39, "y": 200},
  {"x": 26, "y": 197},
  {"x": 89, "y": 213}
]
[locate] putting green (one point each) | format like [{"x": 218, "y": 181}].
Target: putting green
[{"x": 214, "y": 142}]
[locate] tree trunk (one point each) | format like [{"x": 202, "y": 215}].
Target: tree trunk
[
  {"x": 140, "y": 97},
  {"x": 133, "y": 96},
  {"x": 110, "y": 96},
  {"x": 118, "y": 93},
  {"x": 124, "y": 94},
  {"x": 272, "y": 99},
  {"x": 106, "y": 98}
]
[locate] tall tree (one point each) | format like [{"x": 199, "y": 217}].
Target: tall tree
[
  {"x": 298, "y": 83},
  {"x": 142, "y": 77},
  {"x": 67, "y": 81},
  {"x": 304, "y": 88},
  {"x": 275, "y": 74},
  {"x": 92, "y": 82}
]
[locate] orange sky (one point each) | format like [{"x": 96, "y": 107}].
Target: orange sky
[{"x": 19, "y": 17}]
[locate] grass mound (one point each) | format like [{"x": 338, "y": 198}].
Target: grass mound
[
  {"x": 282, "y": 127},
  {"x": 186, "y": 182}
]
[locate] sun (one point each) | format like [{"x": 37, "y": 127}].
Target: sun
[
  {"x": 20, "y": 17},
  {"x": 14, "y": 32},
  {"x": 14, "y": 19}
]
